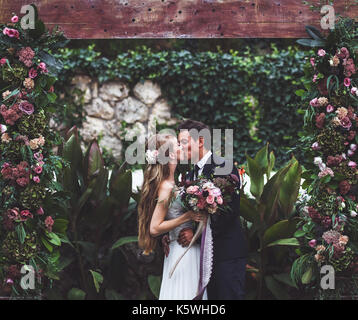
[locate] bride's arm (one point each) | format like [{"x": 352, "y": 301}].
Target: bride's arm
[{"x": 158, "y": 224}]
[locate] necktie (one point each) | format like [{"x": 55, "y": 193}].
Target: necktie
[{"x": 196, "y": 171}]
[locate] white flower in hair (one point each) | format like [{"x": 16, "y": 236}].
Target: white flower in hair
[{"x": 151, "y": 156}]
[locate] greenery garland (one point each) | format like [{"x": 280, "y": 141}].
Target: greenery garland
[
  {"x": 328, "y": 230},
  {"x": 30, "y": 234}
]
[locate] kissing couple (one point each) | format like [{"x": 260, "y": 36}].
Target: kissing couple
[{"x": 215, "y": 268}]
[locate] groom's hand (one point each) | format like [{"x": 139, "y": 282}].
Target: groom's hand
[
  {"x": 165, "y": 244},
  {"x": 185, "y": 236}
]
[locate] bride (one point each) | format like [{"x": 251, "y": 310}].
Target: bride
[{"x": 160, "y": 211}]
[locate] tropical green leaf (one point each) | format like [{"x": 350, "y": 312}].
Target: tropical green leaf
[
  {"x": 97, "y": 279},
  {"x": 248, "y": 210},
  {"x": 280, "y": 230},
  {"x": 284, "y": 242},
  {"x": 123, "y": 241},
  {"x": 76, "y": 294},
  {"x": 307, "y": 276},
  {"x": 154, "y": 284},
  {"x": 290, "y": 188},
  {"x": 53, "y": 238},
  {"x": 256, "y": 177},
  {"x": 270, "y": 196},
  {"x": 278, "y": 290}
]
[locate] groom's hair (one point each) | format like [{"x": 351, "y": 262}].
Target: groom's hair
[{"x": 197, "y": 125}]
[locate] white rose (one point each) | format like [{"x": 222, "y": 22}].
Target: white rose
[
  {"x": 353, "y": 214},
  {"x": 317, "y": 161}
]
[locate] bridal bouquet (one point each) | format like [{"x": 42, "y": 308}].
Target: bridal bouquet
[{"x": 211, "y": 196}]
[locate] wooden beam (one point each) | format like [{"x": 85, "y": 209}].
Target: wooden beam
[{"x": 99, "y": 19}]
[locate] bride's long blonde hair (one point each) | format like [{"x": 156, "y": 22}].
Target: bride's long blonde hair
[{"x": 154, "y": 174}]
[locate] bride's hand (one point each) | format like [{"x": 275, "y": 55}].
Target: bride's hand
[{"x": 198, "y": 217}]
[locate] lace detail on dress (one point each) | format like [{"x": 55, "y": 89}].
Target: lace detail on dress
[
  {"x": 206, "y": 259},
  {"x": 208, "y": 253}
]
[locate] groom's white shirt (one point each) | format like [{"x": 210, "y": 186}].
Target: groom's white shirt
[{"x": 202, "y": 162}]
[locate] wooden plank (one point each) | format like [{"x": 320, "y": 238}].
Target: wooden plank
[{"x": 96, "y": 19}]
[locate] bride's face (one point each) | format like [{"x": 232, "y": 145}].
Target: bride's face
[{"x": 177, "y": 153}]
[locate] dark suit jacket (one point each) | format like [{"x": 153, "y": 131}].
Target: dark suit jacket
[{"x": 229, "y": 241}]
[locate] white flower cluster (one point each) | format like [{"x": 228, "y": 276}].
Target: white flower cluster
[{"x": 151, "y": 156}]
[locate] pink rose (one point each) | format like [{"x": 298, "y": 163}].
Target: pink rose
[
  {"x": 210, "y": 199},
  {"x": 32, "y": 73},
  {"x": 347, "y": 82},
  {"x": 350, "y": 153},
  {"x": 36, "y": 179},
  {"x": 38, "y": 156},
  {"x": 26, "y": 107},
  {"x": 201, "y": 203},
  {"x": 26, "y": 214},
  {"x": 14, "y": 19},
  {"x": 2, "y": 61},
  {"x": 343, "y": 53},
  {"x": 42, "y": 66},
  {"x": 314, "y": 102},
  {"x": 312, "y": 62},
  {"x": 219, "y": 200},
  {"x": 38, "y": 169},
  {"x": 216, "y": 192},
  {"x": 354, "y": 90},
  {"x": 192, "y": 189},
  {"x": 314, "y": 78},
  {"x": 12, "y": 33},
  {"x": 13, "y": 214},
  {"x": 352, "y": 164},
  {"x": 5, "y": 31},
  {"x": 312, "y": 243},
  {"x": 353, "y": 147},
  {"x": 40, "y": 211},
  {"x": 330, "y": 108},
  {"x": 321, "y": 52},
  {"x": 49, "y": 223},
  {"x": 346, "y": 123}
]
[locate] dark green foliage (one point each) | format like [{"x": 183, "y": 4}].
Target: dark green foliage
[{"x": 252, "y": 94}]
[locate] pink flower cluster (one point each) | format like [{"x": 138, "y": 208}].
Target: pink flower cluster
[
  {"x": 37, "y": 169},
  {"x": 26, "y": 55},
  {"x": 316, "y": 217},
  {"x": 207, "y": 196},
  {"x": 16, "y": 215},
  {"x": 20, "y": 173},
  {"x": 338, "y": 241},
  {"x": 12, "y": 33},
  {"x": 12, "y": 114},
  {"x": 49, "y": 223}
]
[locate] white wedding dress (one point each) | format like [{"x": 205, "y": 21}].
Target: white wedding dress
[{"x": 183, "y": 285}]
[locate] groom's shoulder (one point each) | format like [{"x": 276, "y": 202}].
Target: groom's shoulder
[
  {"x": 225, "y": 163},
  {"x": 217, "y": 160}
]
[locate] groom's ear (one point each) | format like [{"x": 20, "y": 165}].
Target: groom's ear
[{"x": 201, "y": 141}]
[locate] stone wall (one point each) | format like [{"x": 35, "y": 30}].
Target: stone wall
[{"x": 107, "y": 105}]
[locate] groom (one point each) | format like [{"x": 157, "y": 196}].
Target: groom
[{"x": 230, "y": 249}]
